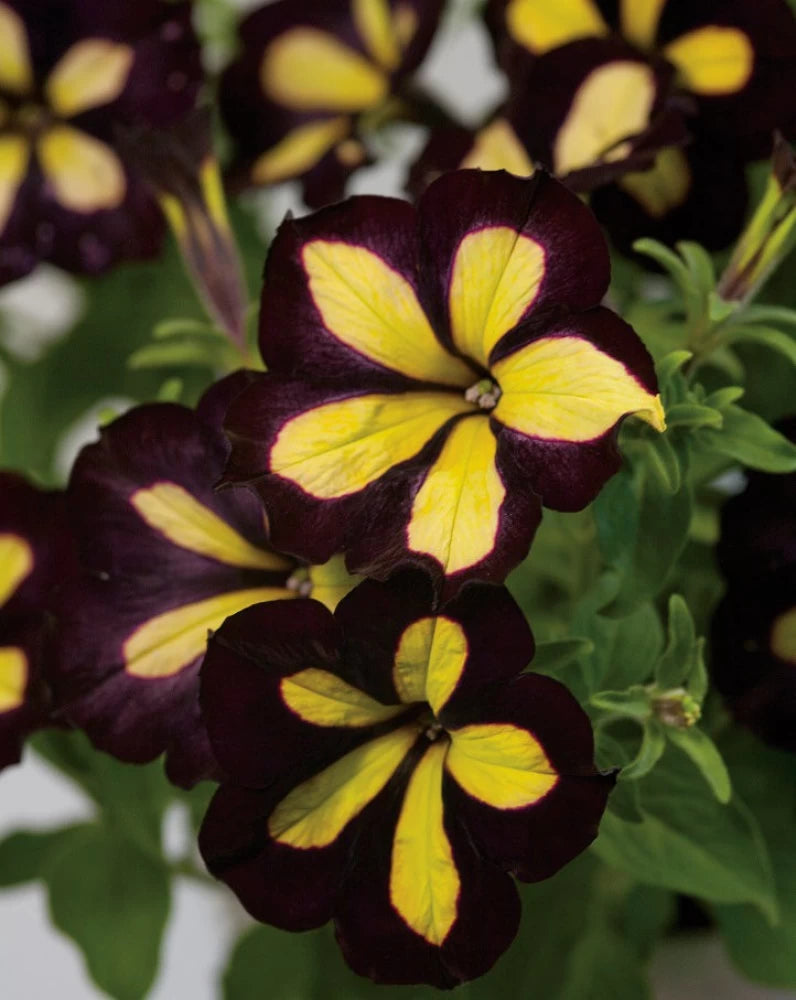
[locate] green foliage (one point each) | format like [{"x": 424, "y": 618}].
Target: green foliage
[
  {"x": 689, "y": 842},
  {"x": 767, "y": 780},
  {"x": 112, "y": 899}
]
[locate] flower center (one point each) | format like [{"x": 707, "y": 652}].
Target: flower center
[
  {"x": 30, "y": 119},
  {"x": 485, "y": 393},
  {"x": 299, "y": 583}
]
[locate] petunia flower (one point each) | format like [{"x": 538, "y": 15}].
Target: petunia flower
[
  {"x": 432, "y": 373},
  {"x": 36, "y": 559},
  {"x": 72, "y": 72},
  {"x": 166, "y": 559},
  {"x": 753, "y": 636},
  {"x": 588, "y": 79},
  {"x": 313, "y": 79},
  {"x": 391, "y": 769}
]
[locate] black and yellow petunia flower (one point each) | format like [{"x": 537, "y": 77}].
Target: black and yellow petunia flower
[
  {"x": 432, "y": 374},
  {"x": 72, "y": 72},
  {"x": 166, "y": 559},
  {"x": 753, "y": 638},
  {"x": 593, "y": 79},
  {"x": 390, "y": 769},
  {"x": 312, "y": 78},
  {"x": 36, "y": 559}
]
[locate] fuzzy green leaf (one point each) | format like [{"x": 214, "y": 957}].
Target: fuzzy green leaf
[
  {"x": 748, "y": 439},
  {"x": 702, "y": 751}
]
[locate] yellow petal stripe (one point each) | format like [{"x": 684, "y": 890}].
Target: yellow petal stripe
[
  {"x": 310, "y": 70},
  {"x": 339, "y": 448},
  {"x": 500, "y": 764},
  {"x": 85, "y": 174},
  {"x": 16, "y": 73},
  {"x": 331, "y": 582},
  {"x": 639, "y": 20},
  {"x": 16, "y": 563},
  {"x": 456, "y": 512},
  {"x": 170, "y": 641},
  {"x": 183, "y": 520},
  {"x": 372, "y": 308},
  {"x": 565, "y": 389},
  {"x": 322, "y": 699},
  {"x": 541, "y": 25},
  {"x": 713, "y": 60},
  {"x": 374, "y": 24},
  {"x": 300, "y": 150},
  {"x": 92, "y": 73},
  {"x": 783, "y": 636},
  {"x": 612, "y": 104},
  {"x": 14, "y": 157},
  {"x": 663, "y": 187},
  {"x": 13, "y": 677},
  {"x": 424, "y": 881},
  {"x": 430, "y": 661},
  {"x": 315, "y": 813},
  {"x": 496, "y": 276},
  {"x": 497, "y": 147}
]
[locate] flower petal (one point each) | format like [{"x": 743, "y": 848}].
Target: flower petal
[
  {"x": 424, "y": 882},
  {"x": 662, "y": 188},
  {"x": 91, "y": 73},
  {"x": 474, "y": 211},
  {"x": 339, "y": 448},
  {"x": 613, "y": 103},
  {"x": 16, "y": 563},
  {"x": 496, "y": 147},
  {"x": 342, "y": 292},
  {"x": 374, "y": 22},
  {"x": 131, "y": 643},
  {"x": 316, "y": 812},
  {"x": 429, "y": 661},
  {"x": 310, "y": 70},
  {"x": 299, "y": 150},
  {"x": 400, "y": 646},
  {"x": 496, "y": 276},
  {"x": 14, "y": 672},
  {"x": 277, "y": 884},
  {"x": 522, "y": 778},
  {"x": 14, "y": 159},
  {"x": 85, "y": 174},
  {"x": 563, "y": 440},
  {"x": 501, "y": 765},
  {"x": 713, "y": 60},
  {"x": 540, "y": 25},
  {"x": 322, "y": 699},
  {"x": 563, "y": 388},
  {"x": 414, "y": 871},
  {"x": 456, "y": 513},
  {"x": 16, "y": 72},
  {"x": 639, "y": 20}
]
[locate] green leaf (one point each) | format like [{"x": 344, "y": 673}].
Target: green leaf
[
  {"x": 287, "y": 962},
  {"x": 554, "y": 654},
  {"x": 699, "y": 263},
  {"x": 767, "y": 781},
  {"x": 693, "y": 415},
  {"x": 182, "y": 327},
  {"x": 653, "y": 744},
  {"x": 764, "y": 313},
  {"x": 702, "y": 751},
  {"x": 670, "y": 262},
  {"x": 782, "y": 343},
  {"x": 698, "y": 678},
  {"x": 662, "y": 460},
  {"x": 633, "y": 703},
  {"x": 642, "y": 530},
  {"x": 186, "y": 351},
  {"x": 133, "y": 797},
  {"x": 722, "y": 398},
  {"x": 603, "y": 964},
  {"x": 748, "y": 439},
  {"x": 625, "y": 649},
  {"x": 112, "y": 900},
  {"x": 689, "y": 842},
  {"x": 671, "y": 364},
  {"x": 677, "y": 661},
  {"x": 23, "y": 854}
]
